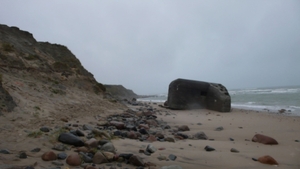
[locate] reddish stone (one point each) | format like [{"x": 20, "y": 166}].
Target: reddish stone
[
  {"x": 151, "y": 138},
  {"x": 263, "y": 139},
  {"x": 49, "y": 156},
  {"x": 132, "y": 135},
  {"x": 267, "y": 160},
  {"x": 73, "y": 160},
  {"x": 118, "y": 125},
  {"x": 161, "y": 148}
]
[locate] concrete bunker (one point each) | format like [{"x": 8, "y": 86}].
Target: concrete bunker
[{"x": 191, "y": 94}]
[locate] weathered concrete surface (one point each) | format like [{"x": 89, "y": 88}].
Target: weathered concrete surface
[{"x": 191, "y": 94}]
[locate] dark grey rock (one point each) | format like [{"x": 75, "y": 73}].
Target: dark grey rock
[
  {"x": 208, "y": 148},
  {"x": 234, "y": 150},
  {"x": 185, "y": 136},
  {"x": 79, "y": 133},
  {"x": 200, "y": 136},
  {"x": 45, "y": 129},
  {"x": 62, "y": 156},
  {"x": 231, "y": 139},
  {"x": 172, "y": 157},
  {"x": 143, "y": 131},
  {"x": 36, "y": 150},
  {"x": 4, "y": 151},
  {"x": 22, "y": 155},
  {"x": 69, "y": 138},
  {"x": 86, "y": 158},
  {"x": 219, "y": 128},
  {"x": 102, "y": 142},
  {"x": 125, "y": 156}
]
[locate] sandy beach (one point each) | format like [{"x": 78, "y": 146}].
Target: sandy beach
[{"x": 239, "y": 126}]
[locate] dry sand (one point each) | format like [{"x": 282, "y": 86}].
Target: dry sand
[{"x": 241, "y": 125}]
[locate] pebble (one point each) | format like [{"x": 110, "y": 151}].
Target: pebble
[
  {"x": 4, "y": 151},
  {"x": 150, "y": 148},
  {"x": 45, "y": 129},
  {"x": 208, "y": 148},
  {"x": 62, "y": 156},
  {"x": 172, "y": 157},
  {"x": 234, "y": 150},
  {"x": 231, "y": 139},
  {"x": 200, "y": 136},
  {"x": 59, "y": 147},
  {"x": 22, "y": 155},
  {"x": 219, "y": 128},
  {"x": 161, "y": 158}
]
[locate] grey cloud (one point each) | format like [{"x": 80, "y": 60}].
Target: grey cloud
[{"x": 144, "y": 45}]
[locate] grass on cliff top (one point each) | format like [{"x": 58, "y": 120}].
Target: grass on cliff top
[{"x": 7, "y": 47}]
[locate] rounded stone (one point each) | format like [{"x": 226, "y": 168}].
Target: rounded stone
[
  {"x": 73, "y": 160},
  {"x": 49, "y": 156}
]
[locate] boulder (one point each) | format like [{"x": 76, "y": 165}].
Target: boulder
[
  {"x": 71, "y": 139},
  {"x": 264, "y": 139},
  {"x": 191, "y": 94}
]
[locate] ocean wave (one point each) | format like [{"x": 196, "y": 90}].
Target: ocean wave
[{"x": 265, "y": 91}]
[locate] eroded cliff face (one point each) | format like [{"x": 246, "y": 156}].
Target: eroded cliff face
[{"x": 43, "y": 79}]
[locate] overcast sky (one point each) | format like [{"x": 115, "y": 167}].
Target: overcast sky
[{"x": 144, "y": 45}]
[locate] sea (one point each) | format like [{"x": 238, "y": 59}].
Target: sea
[{"x": 271, "y": 99}]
